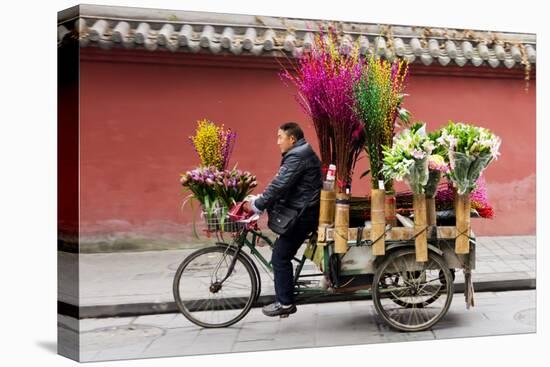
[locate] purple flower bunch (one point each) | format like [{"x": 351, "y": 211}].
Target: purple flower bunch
[
  {"x": 309, "y": 77},
  {"x": 204, "y": 176},
  {"x": 218, "y": 188},
  {"x": 478, "y": 198},
  {"x": 227, "y": 143},
  {"x": 480, "y": 201}
]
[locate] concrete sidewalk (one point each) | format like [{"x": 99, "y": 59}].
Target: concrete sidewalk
[
  {"x": 314, "y": 325},
  {"x": 140, "y": 283}
]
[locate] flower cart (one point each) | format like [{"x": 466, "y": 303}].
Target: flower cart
[
  {"x": 407, "y": 266},
  {"x": 217, "y": 286},
  {"x": 411, "y": 282}
]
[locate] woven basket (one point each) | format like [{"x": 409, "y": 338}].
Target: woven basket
[{"x": 214, "y": 222}]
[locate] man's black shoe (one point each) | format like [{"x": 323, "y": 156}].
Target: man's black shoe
[{"x": 277, "y": 309}]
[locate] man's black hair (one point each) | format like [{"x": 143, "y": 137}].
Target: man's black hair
[{"x": 292, "y": 129}]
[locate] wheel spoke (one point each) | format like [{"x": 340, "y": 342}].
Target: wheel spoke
[
  {"x": 422, "y": 285},
  {"x": 214, "y": 304}
]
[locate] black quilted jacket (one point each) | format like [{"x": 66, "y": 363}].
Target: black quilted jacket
[{"x": 298, "y": 182}]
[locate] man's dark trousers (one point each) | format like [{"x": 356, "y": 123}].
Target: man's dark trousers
[{"x": 285, "y": 248}]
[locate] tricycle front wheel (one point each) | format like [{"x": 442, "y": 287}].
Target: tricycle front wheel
[
  {"x": 215, "y": 287},
  {"x": 411, "y": 295}
]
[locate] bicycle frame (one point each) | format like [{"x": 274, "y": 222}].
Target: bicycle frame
[{"x": 242, "y": 239}]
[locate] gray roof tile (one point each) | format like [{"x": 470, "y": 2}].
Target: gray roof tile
[
  {"x": 121, "y": 31},
  {"x": 416, "y": 46},
  {"x": 98, "y": 30},
  {"x": 269, "y": 42},
  {"x": 113, "y": 26},
  {"x": 249, "y": 38},
  {"x": 434, "y": 47},
  {"x": 461, "y": 60},
  {"x": 62, "y": 31},
  {"x": 363, "y": 45},
  {"x": 165, "y": 34},
  {"x": 467, "y": 49},
  {"x": 476, "y": 60},
  {"x": 499, "y": 52},
  {"x": 509, "y": 63},
  {"x": 450, "y": 47},
  {"x": 493, "y": 62},
  {"x": 483, "y": 50},
  {"x": 288, "y": 44},
  {"x": 516, "y": 53},
  {"x": 531, "y": 53},
  {"x": 399, "y": 46},
  {"x": 309, "y": 40},
  {"x": 426, "y": 59},
  {"x": 142, "y": 32},
  {"x": 444, "y": 60}
]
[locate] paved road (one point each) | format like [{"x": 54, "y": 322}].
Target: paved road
[
  {"x": 129, "y": 278},
  {"x": 314, "y": 325}
]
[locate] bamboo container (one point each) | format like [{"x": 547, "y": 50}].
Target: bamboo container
[
  {"x": 327, "y": 207},
  {"x": 431, "y": 217},
  {"x": 462, "y": 213},
  {"x": 390, "y": 208},
  {"x": 378, "y": 221},
  {"x": 341, "y": 223},
  {"x": 326, "y": 214},
  {"x": 420, "y": 219},
  {"x": 455, "y": 200}
]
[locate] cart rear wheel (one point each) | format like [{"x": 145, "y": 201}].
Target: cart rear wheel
[
  {"x": 419, "y": 303},
  {"x": 411, "y": 295}
]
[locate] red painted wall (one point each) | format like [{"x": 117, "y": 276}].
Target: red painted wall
[{"x": 135, "y": 119}]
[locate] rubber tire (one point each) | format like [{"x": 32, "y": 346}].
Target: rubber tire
[
  {"x": 254, "y": 266},
  {"x": 376, "y": 297},
  {"x": 192, "y": 256}
]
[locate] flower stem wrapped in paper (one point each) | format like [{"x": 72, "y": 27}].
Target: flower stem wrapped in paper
[
  {"x": 408, "y": 160},
  {"x": 470, "y": 150}
]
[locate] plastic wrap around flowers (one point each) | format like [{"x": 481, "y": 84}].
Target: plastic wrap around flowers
[
  {"x": 470, "y": 149},
  {"x": 437, "y": 163},
  {"x": 408, "y": 158},
  {"x": 437, "y": 166}
]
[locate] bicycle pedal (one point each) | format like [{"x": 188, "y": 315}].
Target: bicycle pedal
[{"x": 284, "y": 316}]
